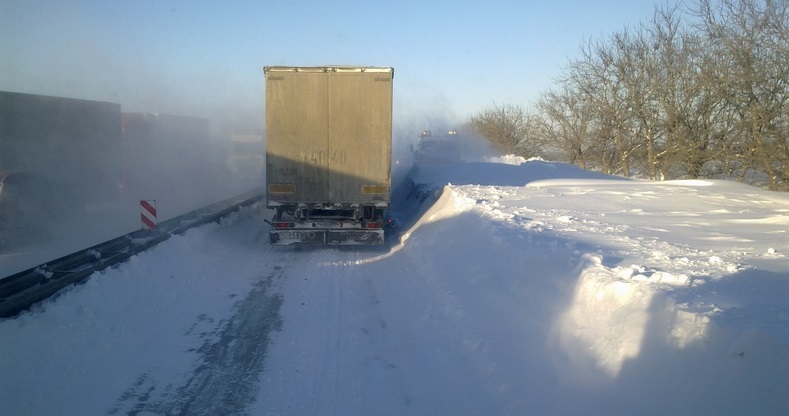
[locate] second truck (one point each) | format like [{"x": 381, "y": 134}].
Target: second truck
[{"x": 328, "y": 153}]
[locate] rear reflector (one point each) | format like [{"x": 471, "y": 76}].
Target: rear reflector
[
  {"x": 375, "y": 189},
  {"x": 282, "y": 188}
]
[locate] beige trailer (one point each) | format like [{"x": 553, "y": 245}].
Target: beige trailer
[{"x": 328, "y": 153}]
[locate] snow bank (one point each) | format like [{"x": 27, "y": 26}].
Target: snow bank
[
  {"x": 607, "y": 325},
  {"x": 611, "y": 309}
]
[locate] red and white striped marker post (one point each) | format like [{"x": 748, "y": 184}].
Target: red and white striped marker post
[{"x": 148, "y": 214}]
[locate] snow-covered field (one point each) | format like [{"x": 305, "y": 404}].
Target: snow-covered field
[{"x": 525, "y": 288}]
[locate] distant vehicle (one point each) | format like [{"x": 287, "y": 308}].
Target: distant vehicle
[
  {"x": 165, "y": 156},
  {"x": 247, "y": 155},
  {"x": 26, "y": 207},
  {"x": 97, "y": 159},
  {"x": 437, "y": 149},
  {"x": 72, "y": 142},
  {"x": 328, "y": 153}
]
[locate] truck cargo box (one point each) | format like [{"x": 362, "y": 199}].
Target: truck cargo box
[
  {"x": 328, "y": 143},
  {"x": 71, "y": 141}
]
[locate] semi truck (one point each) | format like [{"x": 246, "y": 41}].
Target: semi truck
[
  {"x": 328, "y": 153},
  {"x": 437, "y": 148},
  {"x": 71, "y": 141}
]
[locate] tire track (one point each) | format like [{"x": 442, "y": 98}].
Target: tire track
[{"x": 227, "y": 373}]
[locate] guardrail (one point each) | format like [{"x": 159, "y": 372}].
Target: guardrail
[{"x": 22, "y": 290}]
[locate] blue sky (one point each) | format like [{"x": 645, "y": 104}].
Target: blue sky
[{"x": 451, "y": 59}]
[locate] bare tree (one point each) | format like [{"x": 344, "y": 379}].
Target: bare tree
[
  {"x": 509, "y": 129},
  {"x": 681, "y": 96},
  {"x": 606, "y": 79},
  {"x": 565, "y": 124},
  {"x": 748, "y": 40}
]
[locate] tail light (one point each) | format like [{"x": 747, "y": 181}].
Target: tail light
[{"x": 373, "y": 224}]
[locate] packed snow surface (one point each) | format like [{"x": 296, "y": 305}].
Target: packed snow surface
[{"x": 516, "y": 287}]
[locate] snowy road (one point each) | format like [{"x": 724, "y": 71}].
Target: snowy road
[
  {"x": 414, "y": 332},
  {"x": 574, "y": 294},
  {"x": 228, "y": 366},
  {"x": 180, "y": 329}
]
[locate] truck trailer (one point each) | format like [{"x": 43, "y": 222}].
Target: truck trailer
[{"x": 328, "y": 153}]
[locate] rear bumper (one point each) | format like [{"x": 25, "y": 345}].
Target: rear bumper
[{"x": 353, "y": 237}]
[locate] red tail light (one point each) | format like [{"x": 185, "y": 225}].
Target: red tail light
[{"x": 284, "y": 225}]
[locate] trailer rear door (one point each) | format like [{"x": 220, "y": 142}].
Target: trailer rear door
[
  {"x": 296, "y": 135},
  {"x": 360, "y": 134},
  {"x": 328, "y": 134}
]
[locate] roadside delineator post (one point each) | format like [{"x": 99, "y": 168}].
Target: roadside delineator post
[{"x": 148, "y": 214}]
